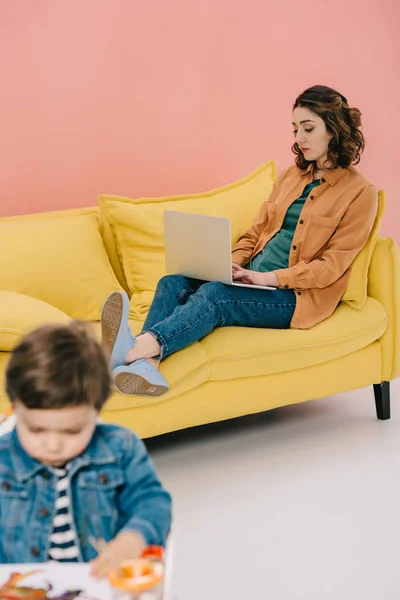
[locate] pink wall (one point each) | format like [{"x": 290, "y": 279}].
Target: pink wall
[{"x": 155, "y": 97}]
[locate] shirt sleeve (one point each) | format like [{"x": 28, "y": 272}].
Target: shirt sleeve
[
  {"x": 349, "y": 238},
  {"x": 143, "y": 502},
  {"x": 243, "y": 249}
]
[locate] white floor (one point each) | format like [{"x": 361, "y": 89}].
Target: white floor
[{"x": 299, "y": 502}]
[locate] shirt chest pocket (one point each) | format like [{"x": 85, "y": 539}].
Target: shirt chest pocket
[
  {"x": 14, "y": 505},
  {"x": 319, "y": 232},
  {"x": 100, "y": 488}
]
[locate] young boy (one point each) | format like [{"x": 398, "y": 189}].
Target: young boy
[{"x": 65, "y": 478}]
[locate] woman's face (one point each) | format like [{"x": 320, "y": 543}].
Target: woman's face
[{"x": 311, "y": 135}]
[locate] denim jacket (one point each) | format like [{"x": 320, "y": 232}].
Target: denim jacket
[{"x": 113, "y": 488}]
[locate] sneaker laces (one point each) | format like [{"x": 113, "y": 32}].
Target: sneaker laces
[{"x": 131, "y": 338}]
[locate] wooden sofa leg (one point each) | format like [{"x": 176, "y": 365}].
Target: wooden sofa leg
[{"x": 382, "y": 400}]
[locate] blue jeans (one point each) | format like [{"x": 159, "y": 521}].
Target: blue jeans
[{"x": 184, "y": 310}]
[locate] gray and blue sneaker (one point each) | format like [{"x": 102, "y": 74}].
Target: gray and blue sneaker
[
  {"x": 116, "y": 335},
  {"x": 140, "y": 378}
]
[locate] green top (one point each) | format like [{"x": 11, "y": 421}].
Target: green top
[{"x": 275, "y": 254}]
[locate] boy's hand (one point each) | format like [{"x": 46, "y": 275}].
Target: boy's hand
[{"x": 126, "y": 546}]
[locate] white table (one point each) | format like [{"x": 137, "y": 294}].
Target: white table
[
  {"x": 69, "y": 576},
  {"x": 62, "y": 577}
]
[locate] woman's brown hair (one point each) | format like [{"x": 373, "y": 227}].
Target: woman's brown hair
[
  {"x": 58, "y": 366},
  {"x": 341, "y": 121}
]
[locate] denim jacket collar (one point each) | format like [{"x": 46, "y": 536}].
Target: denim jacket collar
[{"x": 26, "y": 467}]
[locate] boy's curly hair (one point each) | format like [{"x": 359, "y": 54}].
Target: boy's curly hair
[
  {"x": 57, "y": 366},
  {"x": 342, "y": 123}
]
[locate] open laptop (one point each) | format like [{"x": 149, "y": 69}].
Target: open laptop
[{"x": 199, "y": 246}]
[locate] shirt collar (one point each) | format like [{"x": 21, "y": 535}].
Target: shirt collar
[
  {"x": 308, "y": 170},
  {"x": 26, "y": 467},
  {"x": 331, "y": 176},
  {"x": 98, "y": 451}
]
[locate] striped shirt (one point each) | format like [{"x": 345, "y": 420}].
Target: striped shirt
[{"x": 63, "y": 546}]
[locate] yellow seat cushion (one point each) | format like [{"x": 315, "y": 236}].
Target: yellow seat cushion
[
  {"x": 237, "y": 352},
  {"x": 61, "y": 261},
  {"x": 20, "y": 314},
  {"x": 139, "y": 229},
  {"x": 356, "y": 291},
  {"x": 183, "y": 370}
]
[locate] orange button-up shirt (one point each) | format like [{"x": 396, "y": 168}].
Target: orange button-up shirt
[{"x": 333, "y": 227}]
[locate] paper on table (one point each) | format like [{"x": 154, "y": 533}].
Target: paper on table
[{"x": 63, "y": 577}]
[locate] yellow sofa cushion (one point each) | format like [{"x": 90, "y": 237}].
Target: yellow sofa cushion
[
  {"x": 237, "y": 352},
  {"x": 104, "y": 228},
  {"x": 20, "y": 314},
  {"x": 356, "y": 291},
  {"x": 218, "y": 400},
  {"x": 61, "y": 261},
  {"x": 240, "y": 352},
  {"x": 184, "y": 371},
  {"x": 139, "y": 230}
]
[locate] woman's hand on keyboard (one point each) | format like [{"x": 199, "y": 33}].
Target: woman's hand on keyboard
[{"x": 254, "y": 277}]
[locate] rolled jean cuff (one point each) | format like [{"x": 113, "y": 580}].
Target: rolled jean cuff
[{"x": 161, "y": 342}]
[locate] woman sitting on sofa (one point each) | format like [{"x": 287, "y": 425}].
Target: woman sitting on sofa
[{"x": 303, "y": 242}]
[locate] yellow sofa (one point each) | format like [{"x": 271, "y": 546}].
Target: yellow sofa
[{"x": 62, "y": 265}]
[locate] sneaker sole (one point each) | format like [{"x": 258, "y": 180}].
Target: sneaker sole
[
  {"x": 134, "y": 385},
  {"x": 111, "y": 318}
]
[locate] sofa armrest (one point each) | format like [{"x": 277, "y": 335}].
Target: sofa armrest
[{"x": 384, "y": 286}]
